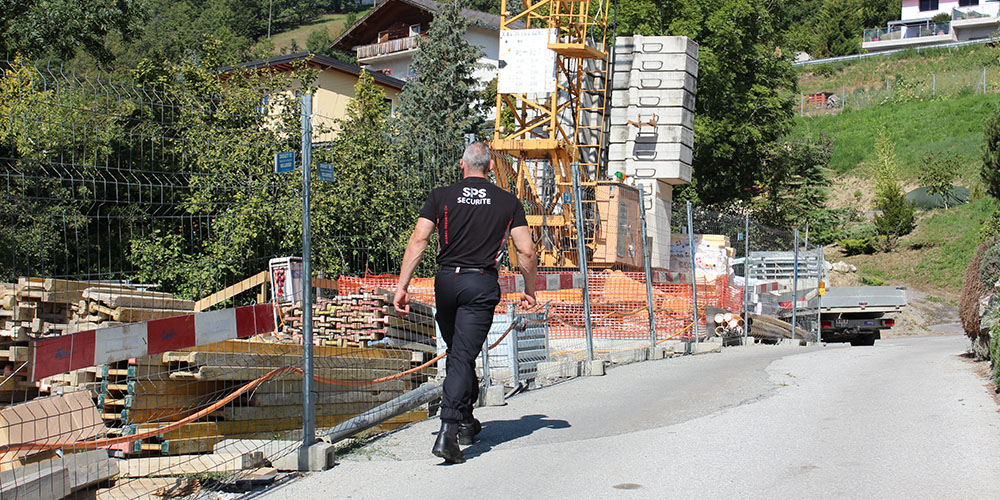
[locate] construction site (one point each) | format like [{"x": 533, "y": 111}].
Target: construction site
[{"x": 135, "y": 368}]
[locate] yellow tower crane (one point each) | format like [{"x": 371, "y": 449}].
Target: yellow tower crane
[{"x": 550, "y": 112}]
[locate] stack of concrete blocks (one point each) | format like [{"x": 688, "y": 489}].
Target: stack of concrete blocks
[{"x": 652, "y": 124}]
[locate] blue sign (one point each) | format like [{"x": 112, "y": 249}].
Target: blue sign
[
  {"x": 325, "y": 171},
  {"x": 284, "y": 161},
  {"x": 567, "y": 198}
]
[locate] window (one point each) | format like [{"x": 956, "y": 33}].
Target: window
[
  {"x": 967, "y": 3},
  {"x": 414, "y": 29},
  {"x": 928, "y": 5}
]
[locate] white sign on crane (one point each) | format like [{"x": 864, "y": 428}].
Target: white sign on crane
[{"x": 527, "y": 64}]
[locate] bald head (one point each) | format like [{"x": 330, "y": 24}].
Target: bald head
[{"x": 477, "y": 158}]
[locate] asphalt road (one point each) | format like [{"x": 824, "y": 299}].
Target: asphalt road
[{"x": 905, "y": 419}]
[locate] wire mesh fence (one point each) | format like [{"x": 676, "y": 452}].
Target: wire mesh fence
[
  {"x": 896, "y": 88},
  {"x": 155, "y": 325}
]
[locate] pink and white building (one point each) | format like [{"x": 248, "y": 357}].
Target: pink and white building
[{"x": 967, "y": 20}]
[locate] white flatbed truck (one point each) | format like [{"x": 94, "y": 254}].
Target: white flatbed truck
[{"x": 859, "y": 314}]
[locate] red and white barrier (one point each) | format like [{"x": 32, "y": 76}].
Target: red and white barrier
[{"x": 65, "y": 353}]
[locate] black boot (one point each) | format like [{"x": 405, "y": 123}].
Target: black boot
[
  {"x": 446, "y": 445},
  {"x": 468, "y": 430}
]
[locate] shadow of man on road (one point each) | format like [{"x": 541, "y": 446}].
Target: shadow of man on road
[{"x": 500, "y": 431}]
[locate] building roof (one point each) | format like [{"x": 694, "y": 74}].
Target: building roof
[
  {"x": 366, "y": 29},
  {"x": 284, "y": 63}
]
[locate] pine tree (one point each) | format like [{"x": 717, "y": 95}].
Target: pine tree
[
  {"x": 441, "y": 103},
  {"x": 990, "y": 172},
  {"x": 897, "y": 217}
]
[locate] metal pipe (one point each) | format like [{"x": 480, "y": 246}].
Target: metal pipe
[
  {"x": 795, "y": 284},
  {"x": 308, "y": 403},
  {"x": 425, "y": 393},
  {"x": 515, "y": 362},
  {"x": 649, "y": 271},
  {"x": 746, "y": 277},
  {"x": 694, "y": 272},
  {"x": 581, "y": 252},
  {"x": 819, "y": 298}
]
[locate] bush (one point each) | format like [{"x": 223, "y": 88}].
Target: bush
[
  {"x": 995, "y": 355},
  {"x": 941, "y": 18},
  {"x": 989, "y": 268},
  {"x": 860, "y": 246},
  {"x": 871, "y": 280},
  {"x": 938, "y": 174},
  {"x": 991, "y": 228},
  {"x": 860, "y": 231}
]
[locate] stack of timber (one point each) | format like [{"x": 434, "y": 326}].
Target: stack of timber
[
  {"x": 40, "y": 307},
  {"x": 366, "y": 319},
  {"x": 766, "y": 327},
  {"x": 44, "y": 307},
  {"x": 149, "y": 393}
]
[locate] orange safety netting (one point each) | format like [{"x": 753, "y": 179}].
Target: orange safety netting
[{"x": 618, "y": 302}]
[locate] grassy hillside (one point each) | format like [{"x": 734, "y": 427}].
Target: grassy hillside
[
  {"x": 872, "y": 71},
  {"x": 934, "y": 257},
  {"x": 334, "y": 24},
  {"x": 917, "y": 128}
]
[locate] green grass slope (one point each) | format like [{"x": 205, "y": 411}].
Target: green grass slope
[
  {"x": 947, "y": 126},
  {"x": 334, "y": 24},
  {"x": 872, "y": 71},
  {"x": 934, "y": 257}
]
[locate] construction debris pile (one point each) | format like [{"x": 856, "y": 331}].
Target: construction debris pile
[{"x": 365, "y": 319}]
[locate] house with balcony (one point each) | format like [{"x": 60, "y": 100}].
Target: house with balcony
[
  {"x": 386, "y": 38},
  {"x": 916, "y": 27},
  {"x": 334, "y": 83}
]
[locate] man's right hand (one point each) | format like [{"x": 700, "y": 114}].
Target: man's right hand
[
  {"x": 528, "y": 300},
  {"x": 401, "y": 302}
]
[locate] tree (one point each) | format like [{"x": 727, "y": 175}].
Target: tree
[
  {"x": 364, "y": 216},
  {"x": 897, "y": 217},
  {"x": 40, "y": 28},
  {"x": 798, "y": 181},
  {"x": 840, "y": 28},
  {"x": 745, "y": 83},
  {"x": 229, "y": 211},
  {"x": 877, "y": 13},
  {"x": 319, "y": 41},
  {"x": 441, "y": 103},
  {"x": 990, "y": 171}
]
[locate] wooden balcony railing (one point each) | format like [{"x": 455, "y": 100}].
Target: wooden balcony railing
[{"x": 387, "y": 47}]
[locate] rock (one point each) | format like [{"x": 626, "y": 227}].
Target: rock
[{"x": 842, "y": 267}]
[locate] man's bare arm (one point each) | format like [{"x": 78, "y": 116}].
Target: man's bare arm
[
  {"x": 527, "y": 261},
  {"x": 411, "y": 257}
]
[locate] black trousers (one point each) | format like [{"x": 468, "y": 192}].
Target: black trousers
[{"x": 465, "y": 304}]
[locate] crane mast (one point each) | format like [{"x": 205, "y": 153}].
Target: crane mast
[{"x": 539, "y": 134}]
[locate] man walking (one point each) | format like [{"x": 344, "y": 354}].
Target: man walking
[{"x": 473, "y": 218}]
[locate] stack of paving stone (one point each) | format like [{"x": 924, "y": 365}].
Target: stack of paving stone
[{"x": 365, "y": 319}]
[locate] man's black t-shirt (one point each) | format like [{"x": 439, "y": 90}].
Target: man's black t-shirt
[{"x": 473, "y": 218}]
